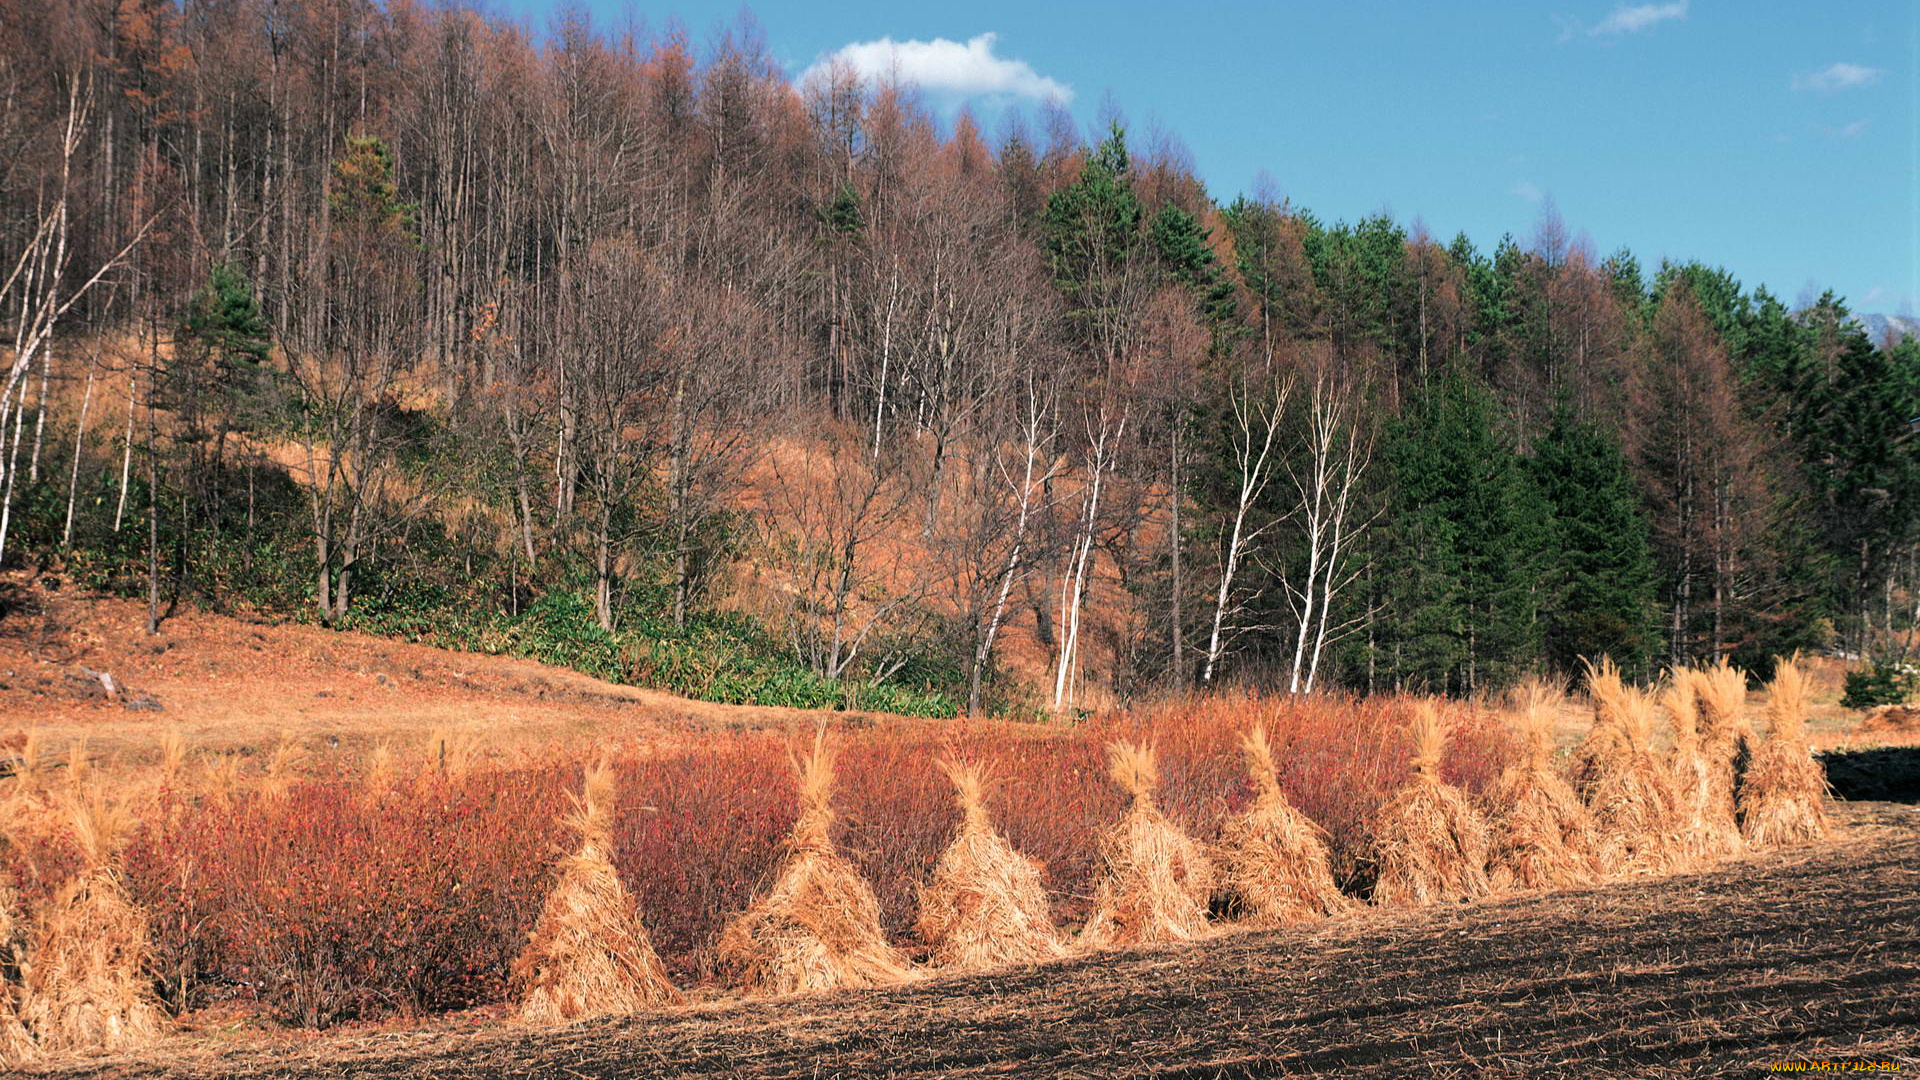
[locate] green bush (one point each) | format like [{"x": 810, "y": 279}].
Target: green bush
[{"x": 1889, "y": 681}]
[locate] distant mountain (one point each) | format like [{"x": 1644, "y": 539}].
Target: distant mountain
[{"x": 1877, "y": 326}]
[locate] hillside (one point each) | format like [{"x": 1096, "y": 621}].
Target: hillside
[{"x": 235, "y": 685}]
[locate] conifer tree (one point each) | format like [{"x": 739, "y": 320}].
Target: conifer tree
[
  {"x": 1464, "y": 554},
  {"x": 1601, "y": 584}
]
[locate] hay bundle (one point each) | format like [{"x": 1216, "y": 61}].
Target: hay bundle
[
  {"x": 1543, "y": 838},
  {"x": 1155, "y": 880},
  {"x": 16, "y": 1046},
  {"x": 1630, "y": 794},
  {"x": 589, "y": 955},
  {"x": 985, "y": 906},
  {"x": 1429, "y": 842},
  {"x": 1706, "y": 824},
  {"x": 86, "y": 985},
  {"x": 1725, "y": 736},
  {"x": 1274, "y": 865},
  {"x": 1783, "y": 799},
  {"x": 818, "y": 927}
]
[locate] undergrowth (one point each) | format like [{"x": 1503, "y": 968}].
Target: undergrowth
[{"x": 329, "y": 902}]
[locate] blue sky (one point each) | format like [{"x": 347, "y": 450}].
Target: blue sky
[{"x": 1774, "y": 139}]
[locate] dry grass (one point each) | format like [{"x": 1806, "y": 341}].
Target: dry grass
[
  {"x": 1429, "y": 842},
  {"x": 381, "y": 772},
  {"x": 87, "y": 986},
  {"x": 1707, "y": 829},
  {"x": 1638, "y": 979},
  {"x": 452, "y": 750},
  {"x": 1543, "y": 836},
  {"x": 985, "y": 905},
  {"x": 16, "y": 1045},
  {"x": 818, "y": 927},
  {"x": 589, "y": 955},
  {"x": 1274, "y": 862},
  {"x": 1783, "y": 795},
  {"x": 1155, "y": 881},
  {"x": 1726, "y": 737},
  {"x": 1627, "y": 789}
]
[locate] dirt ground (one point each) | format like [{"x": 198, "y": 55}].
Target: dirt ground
[
  {"x": 233, "y": 684},
  {"x": 1811, "y": 954}
]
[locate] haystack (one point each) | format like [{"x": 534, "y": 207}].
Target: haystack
[
  {"x": 589, "y": 955},
  {"x": 1783, "y": 797},
  {"x": 1543, "y": 836},
  {"x": 86, "y": 985},
  {"x": 16, "y": 1046},
  {"x": 1274, "y": 865},
  {"x": 1429, "y": 842},
  {"x": 1155, "y": 880},
  {"x": 1706, "y": 824},
  {"x": 818, "y": 927},
  {"x": 985, "y": 906},
  {"x": 1628, "y": 791},
  {"x": 1726, "y": 739}
]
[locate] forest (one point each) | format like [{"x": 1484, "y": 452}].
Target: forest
[{"x": 619, "y": 348}]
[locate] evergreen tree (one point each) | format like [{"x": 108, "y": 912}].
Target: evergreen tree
[
  {"x": 1601, "y": 594},
  {"x": 1091, "y": 231},
  {"x": 224, "y": 318},
  {"x": 1466, "y": 545},
  {"x": 1182, "y": 245}
]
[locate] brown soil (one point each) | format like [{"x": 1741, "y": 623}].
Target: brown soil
[
  {"x": 1890, "y": 720},
  {"x": 1806, "y": 954}
]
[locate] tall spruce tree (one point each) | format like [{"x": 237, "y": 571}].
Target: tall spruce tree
[
  {"x": 1601, "y": 587},
  {"x": 1467, "y": 546}
]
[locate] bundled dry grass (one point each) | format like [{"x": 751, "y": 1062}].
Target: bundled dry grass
[
  {"x": 1784, "y": 793},
  {"x": 29, "y": 765},
  {"x": 589, "y": 955},
  {"x": 86, "y": 985},
  {"x": 1429, "y": 842},
  {"x": 1630, "y": 794},
  {"x": 1725, "y": 736},
  {"x": 382, "y": 770},
  {"x": 818, "y": 927},
  {"x": 1543, "y": 838},
  {"x": 1275, "y": 866},
  {"x": 173, "y": 758},
  {"x": 1155, "y": 881},
  {"x": 451, "y": 750},
  {"x": 1706, "y": 824},
  {"x": 16, "y": 1045},
  {"x": 220, "y": 777},
  {"x": 280, "y": 768},
  {"x": 985, "y": 906}
]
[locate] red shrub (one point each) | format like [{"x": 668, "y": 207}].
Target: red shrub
[{"x": 325, "y": 904}]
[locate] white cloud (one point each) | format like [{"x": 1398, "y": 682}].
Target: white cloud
[
  {"x": 1841, "y": 76},
  {"x": 1528, "y": 190},
  {"x": 942, "y": 65},
  {"x": 1632, "y": 20},
  {"x": 1849, "y": 131}
]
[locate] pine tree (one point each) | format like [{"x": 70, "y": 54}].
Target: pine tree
[
  {"x": 1602, "y": 579},
  {"x": 1091, "y": 230},
  {"x": 224, "y": 318},
  {"x": 1181, "y": 242},
  {"x": 1468, "y": 543}
]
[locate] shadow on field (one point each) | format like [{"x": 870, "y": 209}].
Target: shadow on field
[{"x": 1886, "y": 774}]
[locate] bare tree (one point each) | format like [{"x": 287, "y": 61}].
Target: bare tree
[
  {"x": 1256, "y": 407},
  {"x": 1327, "y": 479}
]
